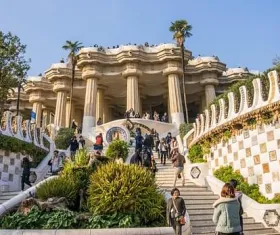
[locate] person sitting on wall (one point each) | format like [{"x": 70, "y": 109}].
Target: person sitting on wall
[
  {"x": 99, "y": 122},
  {"x": 131, "y": 113},
  {"x": 137, "y": 115},
  {"x": 98, "y": 142}
]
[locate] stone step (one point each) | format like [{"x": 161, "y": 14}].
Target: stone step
[
  {"x": 192, "y": 188},
  {"x": 206, "y": 211},
  {"x": 199, "y": 206},
  {"x": 212, "y": 227},
  {"x": 196, "y": 223},
  {"x": 201, "y": 197},
  {"x": 195, "y": 193},
  {"x": 248, "y": 231}
]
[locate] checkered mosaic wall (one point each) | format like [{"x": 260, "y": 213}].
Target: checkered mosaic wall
[
  {"x": 255, "y": 154},
  {"x": 10, "y": 169}
]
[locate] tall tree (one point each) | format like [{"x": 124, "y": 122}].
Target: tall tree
[
  {"x": 73, "y": 48},
  {"x": 182, "y": 30},
  {"x": 13, "y": 65}
]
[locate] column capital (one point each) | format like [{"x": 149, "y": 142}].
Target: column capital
[
  {"x": 38, "y": 99},
  {"x": 62, "y": 85},
  {"x": 172, "y": 70},
  {"x": 209, "y": 81},
  {"x": 102, "y": 87},
  {"x": 132, "y": 72},
  {"x": 91, "y": 72}
]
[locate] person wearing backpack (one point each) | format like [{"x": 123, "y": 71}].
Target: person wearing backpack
[
  {"x": 238, "y": 195},
  {"x": 146, "y": 158},
  {"x": 148, "y": 142},
  {"x": 138, "y": 141}
]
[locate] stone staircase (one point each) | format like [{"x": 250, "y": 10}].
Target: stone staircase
[
  {"x": 7, "y": 196},
  {"x": 199, "y": 202}
]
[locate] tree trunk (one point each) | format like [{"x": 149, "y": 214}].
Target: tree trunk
[
  {"x": 71, "y": 90},
  {"x": 183, "y": 78}
]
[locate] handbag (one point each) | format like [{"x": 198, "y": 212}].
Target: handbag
[{"x": 179, "y": 218}]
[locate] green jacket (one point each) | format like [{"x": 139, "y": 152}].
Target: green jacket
[{"x": 226, "y": 215}]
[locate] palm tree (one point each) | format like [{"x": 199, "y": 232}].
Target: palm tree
[
  {"x": 73, "y": 47},
  {"x": 182, "y": 30}
]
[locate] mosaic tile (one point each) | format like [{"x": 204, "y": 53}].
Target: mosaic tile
[
  {"x": 229, "y": 148},
  {"x": 277, "y": 124},
  {"x": 270, "y": 135},
  {"x": 259, "y": 179},
  {"x": 220, "y": 152},
  {"x": 18, "y": 156},
  {"x": 251, "y": 171},
  {"x": 212, "y": 155},
  {"x": 257, "y": 159},
  {"x": 275, "y": 176},
  {"x": 265, "y": 167},
  {"x": 246, "y": 180},
  {"x": 7, "y": 153},
  {"x": 225, "y": 160},
  {"x": 246, "y": 134},
  {"x": 11, "y": 177},
  {"x": 215, "y": 147},
  {"x": 235, "y": 156},
  {"x": 242, "y": 163},
  {"x": 1, "y": 158},
  {"x": 17, "y": 171},
  {"x": 216, "y": 162},
  {"x": 278, "y": 144},
  {"x": 260, "y": 129},
  {"x": 223, "y": 143},
  {"x": 263, "y": 148},
  {"x": 272, "y": 156},
  {"x": 12, "y": 161},
  {"x": 248, "y": 152},
  {"x": 271, "y": 218},
  {"x": 233, "y": 139},
  {"x": 254, "y": 140},
  {"x": 240, "y": 144},
  {"x": 6, "y": 167},
  {"x": 268, "y": 188}
]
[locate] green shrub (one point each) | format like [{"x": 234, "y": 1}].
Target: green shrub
[
  {"x": 37, "y": 219},
  {"x": 196, "y": 154},
  {"x": 63, "y": 137},
  {"x": 117, "y": 149},
  {"x": 58, "y": 187},
  {"x": 120, "y": 188},
  {"x": 15, "y": 145},
  {"x": 226, "y": 173},
  {"x": 184, "y": 129}
]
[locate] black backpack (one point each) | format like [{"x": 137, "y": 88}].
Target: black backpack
[{"x": 146, "y": 159}]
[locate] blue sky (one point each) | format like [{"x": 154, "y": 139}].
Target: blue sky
[{"x": 240, "y": 33}]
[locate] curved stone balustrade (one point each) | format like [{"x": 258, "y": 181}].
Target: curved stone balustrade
[
  {"x": 23, "y": 130},
  {"x": 211, "y": 120}
]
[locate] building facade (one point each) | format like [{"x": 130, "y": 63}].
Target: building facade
[{"x": 110, "y": 81}]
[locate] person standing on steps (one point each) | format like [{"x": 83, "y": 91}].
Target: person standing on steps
[
  {"x": 178, "y": 161},
  {"x": 238, "y": 194},
  {"x": 168, "y": 139},
  {"x": 25, "y": 173},
  {"x": 82, "y": 142},
  {"x": 175, "y": 211},
  {"x": 227, "y": 212},
  {"x": 162, "y": 151}
]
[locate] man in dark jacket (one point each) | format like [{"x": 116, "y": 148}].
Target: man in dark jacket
[
  {"x": 74, "y": 145},
  {"x": 148, "y": 142},
  {"x": 175, "y": 210}
]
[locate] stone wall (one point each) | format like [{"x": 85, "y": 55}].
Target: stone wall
[
  {"x": 10, "y": 169},
  {"x": 253, "y": 153}
]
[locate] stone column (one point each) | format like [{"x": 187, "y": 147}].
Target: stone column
[
  {"x": 175, "y": 97},
  {"x": 46, "y": 118},
  {"x": 60, "y": 109},
  {"x": 100, "y": 103},
  {"x": 91, "y": 75},
  {"x": 67, "y": 124},
  {"x": 37, "y": 108},
  {"x": 209, "y": 81},
  {"x": 132, "y": 75}
]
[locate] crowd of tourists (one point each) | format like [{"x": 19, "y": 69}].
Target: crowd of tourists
[{"x": 156, "y": 117}]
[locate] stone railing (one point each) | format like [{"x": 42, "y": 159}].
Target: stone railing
[
  {"x": 219, "y": 118},
  {"x": 15, "y": 127}
]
